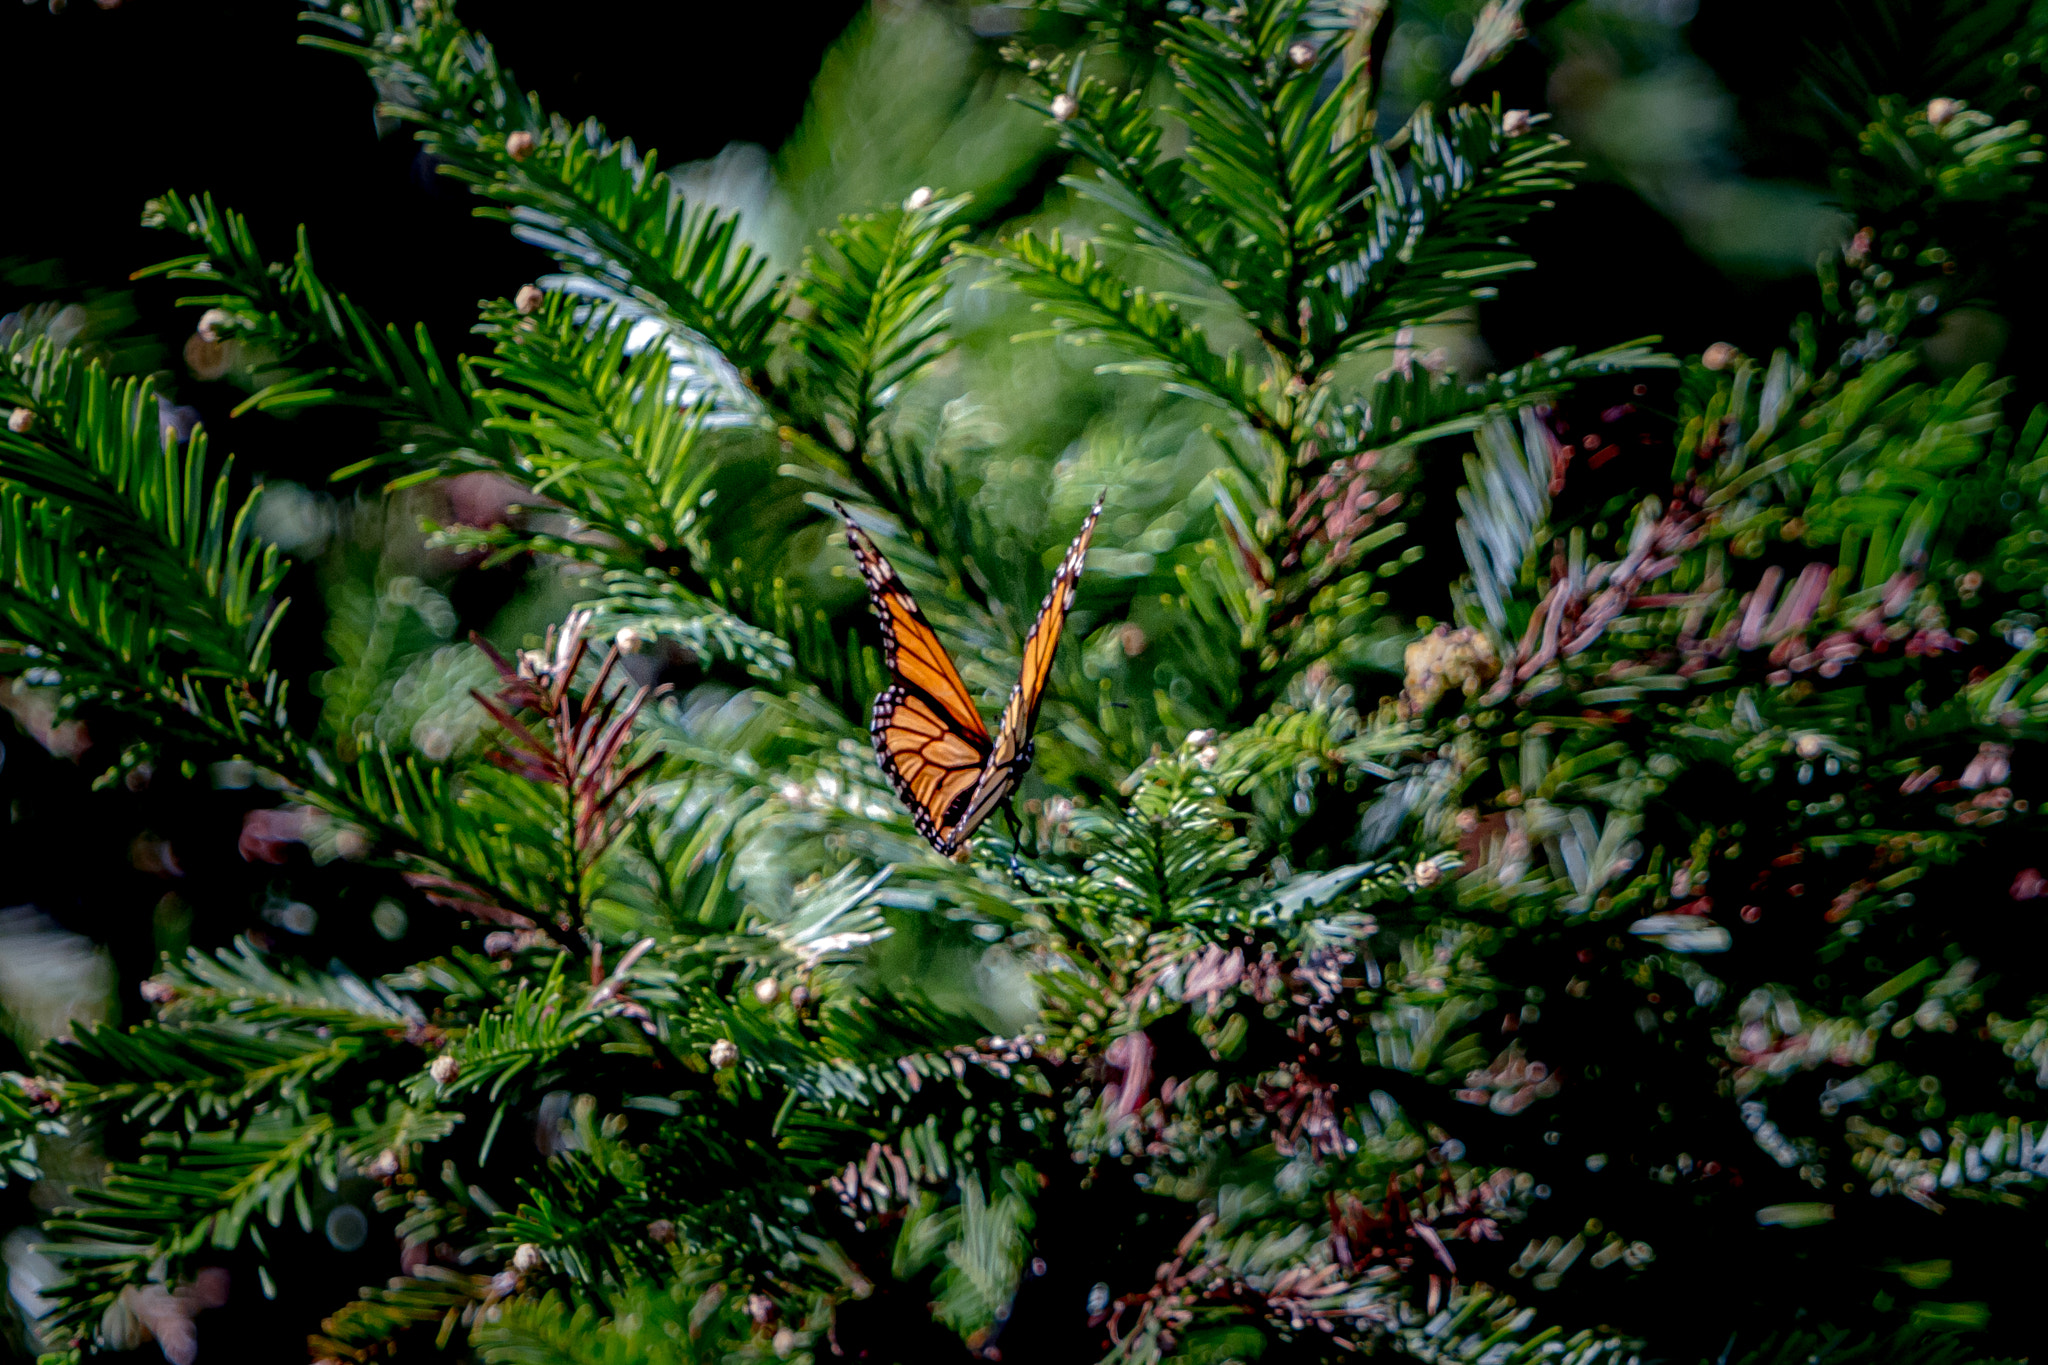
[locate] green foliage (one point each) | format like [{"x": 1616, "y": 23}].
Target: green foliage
[
  {"x": 135, "y": 572},
  {"x": 20, "y": 1100},
  {"x": 1369, "y": 966},
  {"x": 984, "y": 1244},
  {"x": 299, "y": 343},
  {"x": 599, "y": 207},
  {"x": 1961, "y": 157},
  {"x": 874, "y": 296},
  {"x": 695, "y": 1318},
  {"x": 1326, "y": 244}
]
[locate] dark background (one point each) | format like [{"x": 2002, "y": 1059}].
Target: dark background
[{"x": 110, "y": 107}]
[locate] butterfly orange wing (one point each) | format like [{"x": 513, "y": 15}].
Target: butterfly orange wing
[
  {"x": 928, "y": 736},
  {"x": 1010, "y": 752}
]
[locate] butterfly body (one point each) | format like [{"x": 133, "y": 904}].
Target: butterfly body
[{"x": 929, "y": 738}]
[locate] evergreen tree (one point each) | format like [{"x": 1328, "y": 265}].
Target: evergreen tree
[{"x": 1466, "y": 954}]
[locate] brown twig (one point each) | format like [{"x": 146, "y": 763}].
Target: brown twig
[{"x": 577, "y": 745}]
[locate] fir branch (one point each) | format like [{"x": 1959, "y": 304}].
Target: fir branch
[
  {"x": 679, "y": 280},
  {"x": 184, "y": 1197},
  {"x": 582, "y": 752},
  {"x": 699, "y": 1319},
  {"x": 982, "y": 1243},
  {"x": 602, "y": 426},
  {"x": 438, "y": 1295},
  {"x": 140, "y": 583},
  {"x": 674, "y": 280},
  {"x": 206, "y": 1072},
  {"x": 1089, "y": 305},
  {"x": 242, "y": 984},
  {"x": 1326, "y": 244},
  {"x": 874, "y": 294},
  {"x": 599, "y": 207},
  {"x": 1424, "y": 241},
  {"x": 529, "y": 1038},
  {"x": 286, "y": 318},
  {"x": 27, "y": 1109}
]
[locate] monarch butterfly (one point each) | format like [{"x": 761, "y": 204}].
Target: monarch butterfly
[{"x": 929, "y": 738}]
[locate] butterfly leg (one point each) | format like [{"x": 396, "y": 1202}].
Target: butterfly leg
[{"x": 1016, "y": 833}]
